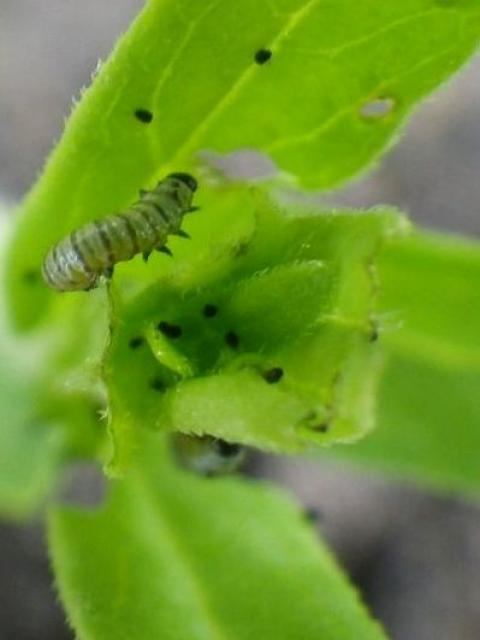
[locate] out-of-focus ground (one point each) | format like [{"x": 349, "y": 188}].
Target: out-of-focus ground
[{"x": 415, "y": 557}]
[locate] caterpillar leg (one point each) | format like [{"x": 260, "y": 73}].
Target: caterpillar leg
[
  {"x": 182, "y": 234},
  {"x": 192, "y": 209},
  {"x": 164, "y": 249},
  {"x": 94, "y": 285},
  {"x": 146, "y": 255},
  {"x": 142, "y": 192}
]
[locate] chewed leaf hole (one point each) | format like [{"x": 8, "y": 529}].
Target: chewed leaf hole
[
  {"x": 242, "y": 164},
  {"x": 377, "y": 108}
]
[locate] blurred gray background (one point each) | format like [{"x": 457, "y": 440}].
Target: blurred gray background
[{"x": 415, "y": 557}]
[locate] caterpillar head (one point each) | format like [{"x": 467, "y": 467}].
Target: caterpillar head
[{"x": 186, "y": 178}]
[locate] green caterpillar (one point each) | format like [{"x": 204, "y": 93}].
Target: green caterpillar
[{"x": 79, "y": 260}]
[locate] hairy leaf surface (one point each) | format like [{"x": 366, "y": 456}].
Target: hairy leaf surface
[
  {"x": 292, "y": 291},
  {"x": 172, "y": 555},
  {"x": 185, "y": 77},
  {"x": 428, "y": 425}
]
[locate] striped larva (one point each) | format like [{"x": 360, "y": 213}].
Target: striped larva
[{"x": 79, "y": 260}]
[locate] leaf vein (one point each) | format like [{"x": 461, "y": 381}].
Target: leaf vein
[
  {"x": 295, "y": 19},
  {"x": 214, "y": 631},
  {"x": 344, "y": 110}
]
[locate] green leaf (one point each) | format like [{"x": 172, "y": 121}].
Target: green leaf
[
  {"x": 291, "y": 292},
  {"x": 30, "y": 450},
  {"x": 49, "y": 402},
  {"x": 47, "y": 417},
  {"x": 172, "y": 555},
  {"x": 428, "y": 410},
  {"x": 341, "y": 78}
]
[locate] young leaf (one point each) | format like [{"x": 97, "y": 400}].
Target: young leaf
[
  {"x": 173, "y": 555},
  {"x": 428, "y": 410},
  {"x": 320, "y": 87},
  {"x": 285, "y": 360}
]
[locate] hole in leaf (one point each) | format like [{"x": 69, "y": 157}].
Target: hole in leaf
[
  {"x": 144, "y": 115},
  {"x": 262, "y": 56},
  {"x": 85, "y": 485},
  {"x": 377, "y": 108},
  {"x": 243, "y": 164}
]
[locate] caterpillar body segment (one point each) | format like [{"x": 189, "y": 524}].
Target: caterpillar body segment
[{"x": 79, "y": 260}]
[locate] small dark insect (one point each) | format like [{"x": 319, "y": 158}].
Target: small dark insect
[
  {"x": 207, "y": 455},
  {"x": 144, "y": 115},
  {"x": 262, "y": 56},
  {"x": 78, "y": 261}
]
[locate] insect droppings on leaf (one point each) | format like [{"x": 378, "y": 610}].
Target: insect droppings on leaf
[
  {"x": 273, "y": 375},
  {"x": 323, "y": 427},
  {"x": 262, "y": 56},
  {"x": 170, "y": 330},
  {"x": 136, "y": 342},
  {"x": 231, "y": 339},
  {"x": 157, "y": 384},
  {"x": 144, "y": 115},
  {"x": 210, "y": 310}
]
